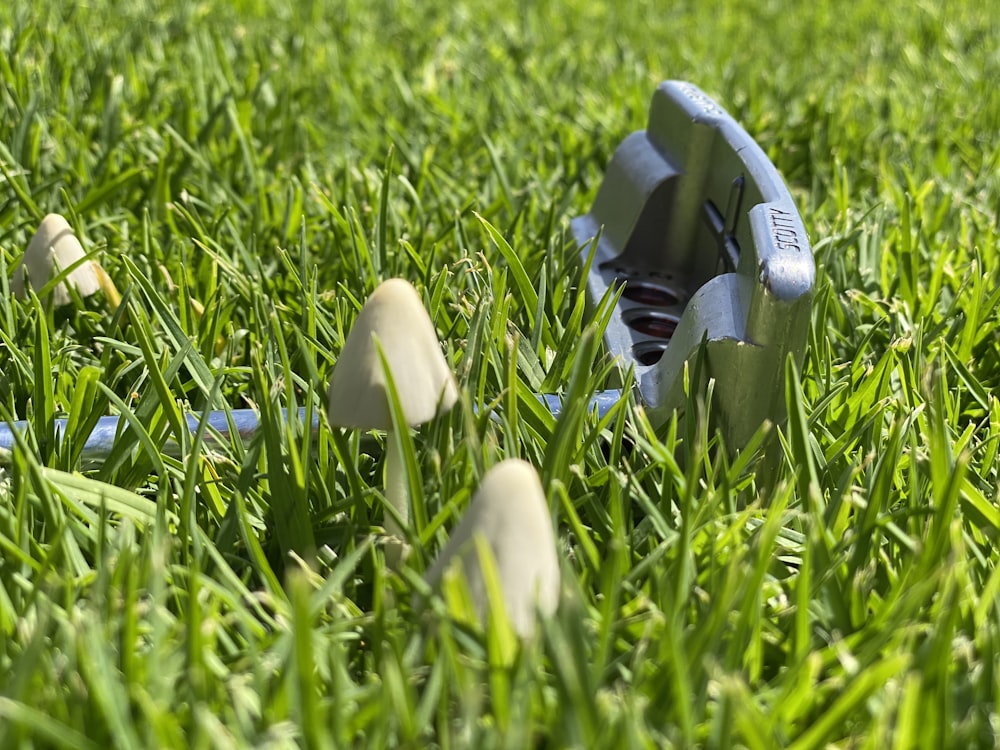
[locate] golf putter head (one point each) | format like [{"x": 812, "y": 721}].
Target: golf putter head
[{"x": 697, "y": 226}]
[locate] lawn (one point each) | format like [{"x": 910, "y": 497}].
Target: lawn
[{"x": 247, "y": 172}]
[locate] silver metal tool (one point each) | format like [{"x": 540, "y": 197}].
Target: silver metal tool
[{"x": 697, "y": 226}]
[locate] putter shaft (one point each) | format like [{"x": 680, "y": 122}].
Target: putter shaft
[{"x": 243, "y": 423}]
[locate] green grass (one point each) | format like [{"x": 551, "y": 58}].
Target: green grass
[{"x": 274, "y": 163}]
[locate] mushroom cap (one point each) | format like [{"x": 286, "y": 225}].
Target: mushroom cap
[
  {"x": 510, "y": 512},
  {"x": 52, "y": 249},
  {"x": 358, "y": 395}
]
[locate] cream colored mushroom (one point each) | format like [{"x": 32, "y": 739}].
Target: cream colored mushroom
[
  {"x": 53, "y": 249},
  {"x": 510, "y": 513},
  {"x": 395, "y": 317}
]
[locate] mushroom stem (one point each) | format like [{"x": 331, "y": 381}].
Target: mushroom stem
[
  {"x": 396, "y": 495},
  {"x": 111, "y": 292}
]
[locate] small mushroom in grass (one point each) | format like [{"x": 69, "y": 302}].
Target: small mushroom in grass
[
  {"x": 395, "y": 316},
  {"x": 54, "y": 249},
  {"x": 511, "y": 515}
]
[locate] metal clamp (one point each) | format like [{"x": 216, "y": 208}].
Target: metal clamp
[{"x": 697, "y": 225}]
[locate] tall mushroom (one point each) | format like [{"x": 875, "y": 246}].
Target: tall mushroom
[
  {"x": 510, "y": 513},
  {"x": 395, "y": 317},
  {"x": 54, "y": 249}
]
